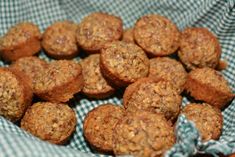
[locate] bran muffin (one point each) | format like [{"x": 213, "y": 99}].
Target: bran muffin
[
  {"x": 99, "y": 124},
  {"x": 209, "y": 85},
  {"x": 52, "y": 122},
  {"x": 96, "y": 29},
  {"x": 95, "y": 86},
  {"x": 60, "y": 81},
  {"x": 21, "y": 40},
  {"x": 123, "y": 63},
  {"x": 199, "y": 48},
  {"x": 59, "y": 40},
  {"x": 143, "y": 134},
  {"x": 157, "y": 35},
  {"x": 128, "y": 35}
]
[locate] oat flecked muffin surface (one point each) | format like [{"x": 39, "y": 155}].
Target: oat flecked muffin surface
[
  {"x": 128, "y": 35},
  {"x": 199, "y": 48},
  {"x": 143, "y": 134},
  {"x": 123, "y": 63},
  {"x": 21, "y": 40},
  {"x": 99, "y": 124},
  {"x": 51, "y": 122},
  {"x": 209, "y": 85}
]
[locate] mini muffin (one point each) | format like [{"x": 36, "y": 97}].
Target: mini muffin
[
  {"x": 60, "y": 81},
  {"x": 157, "y": 35},
  {"x": 21, "y": 40},
  {"x": 95, "y": 86},
  {"x": 59, "y": 40},
  {"x": 51, "y": 122},
  {"x": 123, "y": 63},
  {"x": 128, "y": 36},
  {"x": 156, "y": 96},
  {"x": 15, "y": 94},
  {"x": 209, "y": 85},
  {"x": 199, "y": 48},
  {"x": 208, "y": 119},
  {"x": 97, "y": 29},
  {"x": 143, "y": 134},
  {"x": 99, "y": 124}
]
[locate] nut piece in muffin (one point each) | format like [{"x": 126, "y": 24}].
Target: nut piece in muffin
[
  {"x": 99, "y": 124},
  {"x": 156, "y": 96},
  {"x": 209, "y": 85},
  {"x": 128, "y": 35},
  {"x": 51, "y": 122},
  {"x": 60, "y": 81},
  {"x": 96, "y": 29},
  {"x": 199, "y": 48},
  {"x": 157, "y": 35},
  {"x": 170, "y": 70},
  {"x": 95, "y": 86},
  {"x": 15, "y": 94},
  {"x": 21, "y": 40},
  {"x": 208, "y": 119},
  {"x": 143, "y": 134},
  {"x": 123, "y": 63},
  {"x": 59, "y": 40}
]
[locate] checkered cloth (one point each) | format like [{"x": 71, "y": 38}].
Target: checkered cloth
[{"x": 217, "y": 15}]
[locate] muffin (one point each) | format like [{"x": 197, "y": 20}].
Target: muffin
[
  {"x": 157, "y": 35},
  {"x": 59, "y": 40},
  {"x": 95, "y": 86},
  {"x": 96, "y": 29},
  {"x": 52, "y": 122},
  {"x": 128, "y": 36},
  {"x": 156, "y": 96},
  {"x": 60, "y": 81},
  {"x": 15, "y": 94},
  {"x": 209, "y": 85},
  {"x": 170, "y": 70},
  {"x": 199, "y": 48},
  {"x": 143, "y": 134},
  {"x": 99, "y": 124},
  {"x": 123, "y": 63},
  {"x": 21, "y": 40},
  {"x": 208, "y": 119}
]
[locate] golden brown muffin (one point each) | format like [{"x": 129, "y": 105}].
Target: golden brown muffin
[
  {"x": 21, "y": 40},
  {"x": 59, "y": 40},
  {"x": 99, "y": 124},
  {"x": 143, "y": 134},
  {"x": 96, "y": 29},
  {"x": 15, "y": 94},
  {"x": 156, "y": 96},
  {"x": 199, "y": 48},
  {"x": 123, "y": 63},
  {"x": 170, "y": 70},
  {"x": 208, "y": 119},
  {"x": 157, "y": 35},
  {"x": 95, "y": 86},
  {"x": 50, "y": 122},
  {"x": 128, "y": 35},
  {"x": 60, "y": 81},
  {"x": 209, "y": 85}
]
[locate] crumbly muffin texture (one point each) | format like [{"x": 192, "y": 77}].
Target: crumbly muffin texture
[{"x": 128, "y": 35}]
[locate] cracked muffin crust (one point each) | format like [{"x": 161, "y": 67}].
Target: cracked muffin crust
[
  {"x": 157, "y": 35},
  {"x": 170, "y": 70},
  {"x": 21, "y": 40},
  {"x": 128, "y": 35},
  {"x": 209, "y": 85},
  {"x": 15, "y": 94},
  {"x": 51, "y": 122},
  {"x": 156, "y": 96},
  {"x": 98, "y": 126},
  {"x": 97, "y": 29},
  {"x": 142, "y": 134},
  {"x": 95, "y": 86},
  {"x": 123, "y": 63},
  {"x": 208, "y": 119},
  {"x": 199, "y": 48},
  {"x": 59, "y": 40},
  {"x": 60, "y": 81}
]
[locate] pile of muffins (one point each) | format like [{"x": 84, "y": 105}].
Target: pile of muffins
[{"x": 138, "y": 60}]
